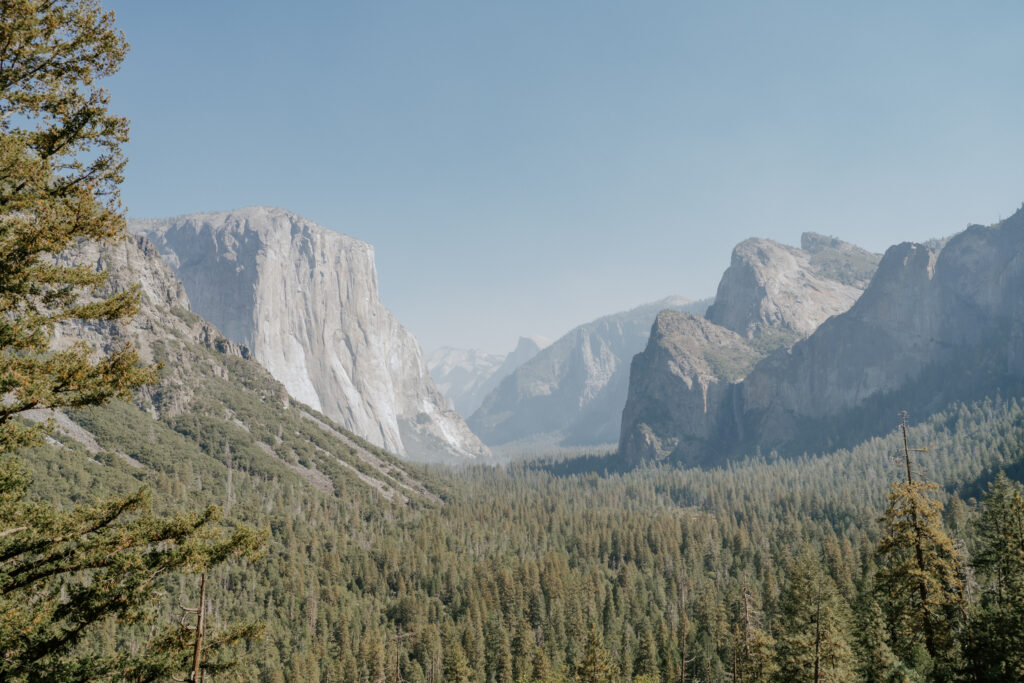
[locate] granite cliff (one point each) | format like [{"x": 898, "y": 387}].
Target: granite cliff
[
  {"x": 304, "y": 299},
  {"x": 677, "y": 382},
  {"x": 778, "y": 292},
  {"x": 937, "y": 324},
  {"x": 769, "y": 297},
  {"x": 213, "y": 408}
]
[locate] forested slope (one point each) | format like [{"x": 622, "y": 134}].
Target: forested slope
[{"x": 504, "y": 579}]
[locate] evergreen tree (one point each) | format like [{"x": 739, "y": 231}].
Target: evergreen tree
[
  {"x": 753, "y": 657},
  {"x": 60, "y": 165},
  {"x": 646, "y": 661},
  {"x": 456, "y": 665},
  {"x": 541, "y": 666},
  {"x": 919, "y": 579},
  {"x": 995, "y": 650},
  {"x": 876, "y": 662},
  {"x": 597, "y": 665},
  {"x": 61, "y": 572},
  {"x": 812, "y": 643}
]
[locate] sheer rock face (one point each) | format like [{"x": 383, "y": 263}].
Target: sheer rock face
[
  {"x": 679, "y": 385},
  {"x": 937, "y": 324},
  {"x": 160, "y": 331},
  {"x": 681, "y": 395},
  {"x": 304, "y": 299},
  {"x": 572, "y": 392},
  {"x": 956, "y": 313},
  {"x": 208, "y": 379},
  {"x": 774, "y": 290}
]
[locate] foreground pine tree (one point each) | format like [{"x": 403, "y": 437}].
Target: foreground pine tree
[
  {"x": 995, "y": 649},
  {"x": 919, "y": 579},
  {"x": 60, "y": 167}
]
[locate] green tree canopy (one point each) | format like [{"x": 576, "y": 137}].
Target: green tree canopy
[
  {"x": 60, "y": 167},
  {"x": 920, "y": 575}
]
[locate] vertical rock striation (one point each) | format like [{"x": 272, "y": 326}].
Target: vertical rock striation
[
  {"x": 938, "y": 323},
  {"x": 681, "y": 398},
  {"x": 304, "y": 299}
]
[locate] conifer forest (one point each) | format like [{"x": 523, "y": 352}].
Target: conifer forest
[{"x": 172, "y": 508}]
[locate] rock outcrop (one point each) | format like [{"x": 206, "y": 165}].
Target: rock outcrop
[
  {"x": 572, "y": 392},
  {"x": 687, "y": 367},
  {"x": 208, "y": 385},
  {"x": 779, "y": 292},
  {"x": 933, "y": 327},
  {"x": 679, "y": 399},
  {"x": 304, "y": 299},
  {"x": 466, "y": 376},
  {"x": 937, "y": 324},
  {"x": 164, "y": 313}
]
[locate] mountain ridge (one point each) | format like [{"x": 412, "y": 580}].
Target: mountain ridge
[
  {"x": 938, "y": 323},
  {"x": 770, "y": 297},
  {"x": 466, "y": 376}
]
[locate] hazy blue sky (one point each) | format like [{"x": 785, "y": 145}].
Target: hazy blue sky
[{"x": 522, "y": 167}]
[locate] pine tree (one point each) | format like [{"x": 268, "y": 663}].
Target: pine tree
[
  {"x": 876, "y": 662},
  {"x": 456, "y": 665},
  {"x": 541, "y": 666},
  {"x": 60, "y": 165},
  {"x": 597, "y": 665},
  {"x": 753, "y": 657},
  {"x": 995, "y": 650},
  {"x": 61, "y": 572},
  {"x": 812, "y": 643},
  {"x": 646, "y": 660},
  {"x": 919, "y": 579}
]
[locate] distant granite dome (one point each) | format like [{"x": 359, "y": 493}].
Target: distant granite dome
[{"x": 305, "y": 300}]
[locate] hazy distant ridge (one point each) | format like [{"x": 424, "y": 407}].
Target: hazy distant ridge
[{"x": 572, "y": 392}]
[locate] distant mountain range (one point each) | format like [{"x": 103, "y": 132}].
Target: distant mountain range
[
  {"x": 802, "y": 348},
  {"x": 572, "y": 392},
  {"x": 465, "y": 377}
]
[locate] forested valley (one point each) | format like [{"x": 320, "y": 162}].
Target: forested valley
[
  {"x": 168, "y": 511},
  {"x": 659, "y": 574}
]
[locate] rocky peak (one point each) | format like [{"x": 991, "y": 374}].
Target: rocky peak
[
  {"x": 937, "y": 324},
  {"x": 774, "y": 291}
]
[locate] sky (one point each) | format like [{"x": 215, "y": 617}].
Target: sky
[{"x": 524, "y": 167}]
